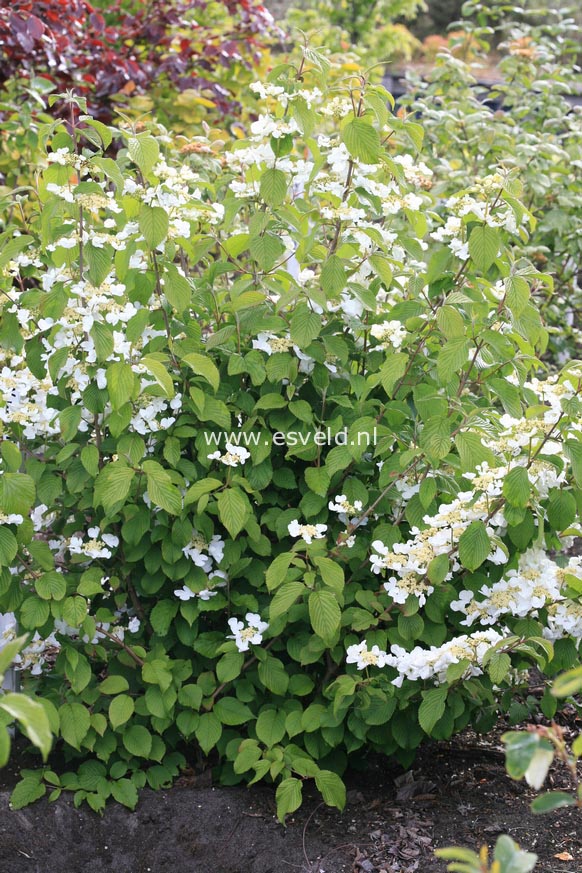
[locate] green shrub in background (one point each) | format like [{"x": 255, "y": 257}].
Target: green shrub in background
[
  {"x": 537, "y": 134},
  {"x": 281, "y": 468}
]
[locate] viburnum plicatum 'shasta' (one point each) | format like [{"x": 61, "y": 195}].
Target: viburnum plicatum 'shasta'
[{"x": 197, "y": 564}]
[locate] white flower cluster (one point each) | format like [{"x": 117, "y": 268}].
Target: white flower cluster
[
  {"x": 429, "y": 663},
  {"x": 203, "y": 554},
  {"x": 308, "y": 532},
  {"x": 234, "y": 456},
  {"x": 32, "y": 658},
  {"x": 251, "y": 635},
  {"x": 97, "y": 546}
]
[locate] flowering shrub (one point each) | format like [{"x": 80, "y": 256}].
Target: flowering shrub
[
  {"x": 282, "y": 474},
  {"x": 538, "y": 133}
]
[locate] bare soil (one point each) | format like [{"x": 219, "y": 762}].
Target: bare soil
[{"x": 457, "y": 793}]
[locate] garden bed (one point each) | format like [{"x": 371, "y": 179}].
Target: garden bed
[{"x": 457, "y": 793}]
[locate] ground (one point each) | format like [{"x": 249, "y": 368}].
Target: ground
[{"x": 456, "y": 793}]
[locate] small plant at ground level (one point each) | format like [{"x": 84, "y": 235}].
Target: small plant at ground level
[
  {"x": 530, "y": 754},
  {"x": 507, "y": 858}
]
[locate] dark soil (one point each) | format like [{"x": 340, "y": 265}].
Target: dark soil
[{"x": 456, "y": 794}]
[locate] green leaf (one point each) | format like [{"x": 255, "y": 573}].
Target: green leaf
[
  {"x": 231, "y": 711},
  {"x": 229, "y": 666},
  {"x": 233, "y": 510},
  {"x": 331, "y": 573},
  {"x": 74, "y": 610},
  {"x": 203, "y": 366},
  {"x": 318, "y": 480},
  {"x": 121, "y": 383},
  {"x": 17, "y": 492},
  {"x": 432, "y": 707},
  {"x": 333, "y": 276},
  {"x": 138, "y": 741},
  {"x": 517, "y": 487},
  {"x": 90, "y": 459},
  {"x": 34, "y": 613},
  {"x": 8, "y": 546},
  {"x": 568, "y": 683},
  {"x": 362, "y": 140},
  {"x": 435, "y": 438},
  {"x": 198, "y": 489},
  {"x": 99, "y": 262},
  {"x": 474, "y": 546},
  {"x": 143, "y": 151},
  {"x": 285, "y": 597},
  {"x": 332, "y": 788},
  {"x": 393, "y": 369},
  {"x": 160, "y": 488},
  {"x": 516, "y": 294},
  {"x": 273, "y": 186},
  {"x": 551, "y": 801},
  {"x": 154, "y": 224},
  {"x": 270, "y": 726},
  {"x": 113, "y": 685},
  {"x": 324, "y": 615},
  {"x": 11, "y": 456},
  {"x": 27, "y": 791},
  {"x": 51, "y": 586},
  {"x": 288, "y": 797},
  {"x": 438, "y": 569},
  {"x": 383, "y": 268},
  {"x": 32, "y": 717},
  {"x": 561, "y": 509},
  {"x": 452, "y": 357},
  {"x": 484, "y": 243},
  {"x": 305, "y": 326},
  {"x": 121, "y": 709},
  {"x": 498, "y": 667},
  {"x": 75, "y": 723},
  {"x": 520, "y": 748},
  {"x": 209, "y": 731},
  {"x": 273, "y": 675},
  {"x": 124, "y": 792},
  {"x": 160, "y": 374},
  {"x": 177, "y": 289}
]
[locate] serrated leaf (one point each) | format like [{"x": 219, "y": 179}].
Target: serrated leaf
[
  {"x": 474, "y": 546},
  {"x": 332, "y": 788},
  {"x": 484, "y": 243},
  {"x": 203, "y": 366},
  {"x": 432, "y": 707},
  {"x": 75, "y": 723},
  {"x": 233, "y": 510},
  {"x": 288, "y": 797},
  {"x": 362, "y": 140},
  {"x": 324, "y": 615},
  {"x": 121, "y": 709},
  {"x": 273, "y": 186},
  {"x": 154, "y": 224},
  {"x": 143, "y": 151}
]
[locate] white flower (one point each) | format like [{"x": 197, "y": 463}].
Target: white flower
[
  {"x": 364, "y": 657},
  {"x": 233, "y": 457},
  {"x": 250, "y": 635},
  {"x": 309, "y": 532},
  {"x": 134, "y": 625},
  {"x": 184, "y": 593}
]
